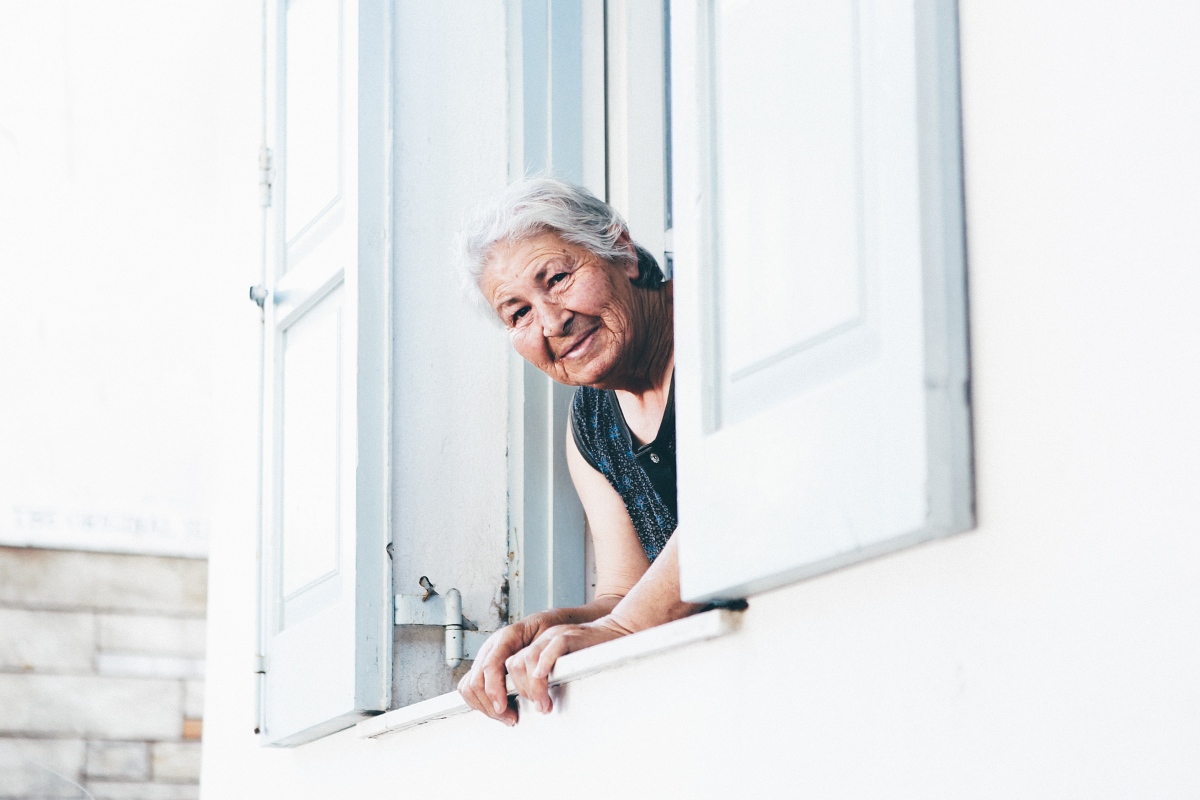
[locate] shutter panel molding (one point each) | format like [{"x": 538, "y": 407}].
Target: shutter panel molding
[
  {"x": 821, "y": 351},
  {"x": 325, "y": 601}
]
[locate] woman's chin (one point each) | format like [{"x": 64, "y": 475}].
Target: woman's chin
[{"x": 588, "y": 373}]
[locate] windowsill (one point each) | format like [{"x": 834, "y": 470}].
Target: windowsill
[{"x": 570, "y": 667}]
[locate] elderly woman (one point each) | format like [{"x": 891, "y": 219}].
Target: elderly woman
[{"x": 590, "y": 308}]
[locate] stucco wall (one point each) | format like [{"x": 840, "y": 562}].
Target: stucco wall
[{"x": 1049, "y": 653}]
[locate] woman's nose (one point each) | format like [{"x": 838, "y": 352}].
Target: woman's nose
[{"x": 556, "y": 321}]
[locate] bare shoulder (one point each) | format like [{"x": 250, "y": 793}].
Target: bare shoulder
[
  {"x": 595, "y": 492},
  {"x": 620, "y": 559}
]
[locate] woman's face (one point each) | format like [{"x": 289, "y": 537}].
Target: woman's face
[{"x": 568, "y": 312}]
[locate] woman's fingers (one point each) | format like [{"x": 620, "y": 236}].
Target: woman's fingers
[
  {"x": 529, "y": 664},
  {"x": 531, "y": 667},
  {"x": 538, "y": 679},
  {"x": 483, "y": 698},
  {"x": 521, "y": 667},
  {"x": 483, "y": 687},
  {"x": 516, "y": 666},
  {"x": 493, "y": 682},
  {"x": 556, "y": 648},
  {"x": 537, "y": 661},
  {"x": 467, "y": 689}
]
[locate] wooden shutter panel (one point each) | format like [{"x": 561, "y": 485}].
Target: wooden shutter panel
[
  {"x": 325, "y": 610},
  {"x": 821, "y": 351}
]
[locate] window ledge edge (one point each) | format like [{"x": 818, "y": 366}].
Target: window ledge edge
[{"x": 571, "y": 667}]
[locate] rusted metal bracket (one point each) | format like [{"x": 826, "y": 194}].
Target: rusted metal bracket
[{"x": 444, "y": 611}]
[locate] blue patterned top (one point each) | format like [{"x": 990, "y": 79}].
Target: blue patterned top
[{"x": 643, "y": 476}]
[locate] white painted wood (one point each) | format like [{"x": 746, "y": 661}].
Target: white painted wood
[
  {"x": 636, "y": 115},
  {"x": 443, "y": 706},
  {"x": 788, "y": 177},
  {"x": 571, "y": 667},
  {"x": 313, "y": 110},
  {"x": 326, "y": 618},
  {"x": 309, "y": 464},
  {"x": 592, "y": 33},
  {"x": 820, "y": 314},
  {"x": 643, "y": 644}
]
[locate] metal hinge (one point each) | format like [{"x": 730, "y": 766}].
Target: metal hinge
[
  {"x": 260, "y": 677},
  {"x": 443, "y": 611},
  {"x": 266, "y": 175}
]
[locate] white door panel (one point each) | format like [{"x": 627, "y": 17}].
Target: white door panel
[
  {"x": 328, "y": 704},
  {"x": 821, "y": 375},
  {"x": 326, "y": 579},
  {"x": 313, "y": 111},
  {"x": 310, "y": 445}
]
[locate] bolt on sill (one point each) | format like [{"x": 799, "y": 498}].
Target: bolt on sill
[{"x": 571, "y": 667}]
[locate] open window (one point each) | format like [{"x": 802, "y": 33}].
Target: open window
[
  {"x": 797, "y": 168},
  {"x": 593, "y": 101},
  {"x": 591, "y": 92},
  {"x": 556, "y": 94}
]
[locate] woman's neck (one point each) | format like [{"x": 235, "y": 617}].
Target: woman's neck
[
  {"x": 653, "y": 359},
  {"x": 643, "y": 391}
]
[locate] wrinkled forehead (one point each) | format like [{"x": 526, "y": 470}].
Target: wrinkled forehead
[{"x": 524, "y": 261}]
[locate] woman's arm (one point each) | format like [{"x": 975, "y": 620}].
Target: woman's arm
[
  {"x": 652, "y": 601},
  {"x": 620, "y": 563}
]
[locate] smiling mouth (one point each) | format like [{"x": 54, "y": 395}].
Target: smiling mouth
[{"x": 579, "y": 345}]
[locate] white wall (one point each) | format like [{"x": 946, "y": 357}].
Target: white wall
[
  {"x": 1049, "y": 653},
  {"x": 129, "y": 235},
  {"x": 126, "y": 248}
]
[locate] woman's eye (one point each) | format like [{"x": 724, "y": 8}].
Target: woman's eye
[
  {"x": 518, "y": 314},
  {"x": 556, "y": 278}
]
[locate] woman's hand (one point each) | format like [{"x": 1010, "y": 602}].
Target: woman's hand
[
  {"x": 531, "y": 667},
  {"x": 528, "y": 649},
  {"x": 653, "y": 600},
  {"x": 483, "y": 688}
]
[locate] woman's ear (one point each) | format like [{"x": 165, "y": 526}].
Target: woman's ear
[{"x": 631, "y": 267}]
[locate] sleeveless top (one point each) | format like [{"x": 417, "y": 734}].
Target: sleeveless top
[{"x": 644, "y": 476}]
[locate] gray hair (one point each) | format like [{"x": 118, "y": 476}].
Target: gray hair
[{"x": 534, "y": 206}]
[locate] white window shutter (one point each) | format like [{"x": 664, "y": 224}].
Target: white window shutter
[
  {"x": 821, "y": 351},
  {"x": 325, "y": 610}
]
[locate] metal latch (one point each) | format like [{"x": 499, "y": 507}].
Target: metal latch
[
  {"x": 445, "y": 611},
  {"x": 258, "y": 294}
]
